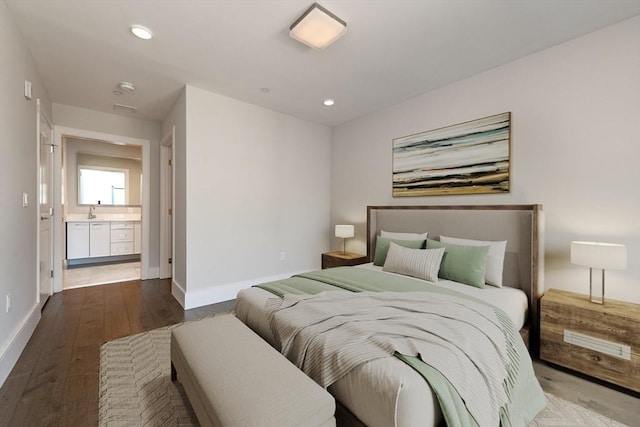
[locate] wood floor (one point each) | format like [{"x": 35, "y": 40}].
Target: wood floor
[{"x": 55, "y": 382}]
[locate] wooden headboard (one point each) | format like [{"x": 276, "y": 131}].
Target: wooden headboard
[{"x": 522, "y": 226}]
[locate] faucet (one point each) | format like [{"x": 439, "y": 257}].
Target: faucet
[{"x": 91, "y": 212}]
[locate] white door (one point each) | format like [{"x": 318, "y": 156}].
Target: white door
[
  {"x": 45, "y": 168},
  {"x": 166, "y": 206}
]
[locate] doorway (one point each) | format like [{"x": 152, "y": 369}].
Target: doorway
[
  {"x": 45, "y": 207},
  {"x": 166, "y": 205},
  {"x": 102, "y": 212},
  {"x": 120, "y": 248}
]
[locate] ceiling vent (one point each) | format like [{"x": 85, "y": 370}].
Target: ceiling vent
[
  {"x": 126, "y": 87},
  {"x": 125, "y": 108}
]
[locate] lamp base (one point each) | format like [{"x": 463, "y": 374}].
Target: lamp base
[{"x": 597, "y": 287}]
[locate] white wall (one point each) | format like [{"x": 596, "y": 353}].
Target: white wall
[
  {"x": 257, "y": 184},
  {"x": 18, "y": 174},
  {"x": 575, "y": 148},
  {"x": 114, "y": 124}
]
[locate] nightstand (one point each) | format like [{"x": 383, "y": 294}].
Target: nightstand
[
  {"x": 341, "y": 259},
  {"x": 579, "y": 335}
]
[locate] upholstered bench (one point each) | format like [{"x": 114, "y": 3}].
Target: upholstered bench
[{"x": 233, "y": 378}]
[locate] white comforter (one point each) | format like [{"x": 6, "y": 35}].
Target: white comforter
[
  {"x": 384, "y": 392},
  {"x": 329, "y": 334}
]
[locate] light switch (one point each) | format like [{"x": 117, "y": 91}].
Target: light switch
[
  {"x": 27, "y": 89},
  {"x": 25, "y": 200}
]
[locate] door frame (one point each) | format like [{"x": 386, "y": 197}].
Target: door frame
[
  {"x": 61, "y": 132},
  {"x": 167, "y": 184},
  {"x": 41, "y": 117}
]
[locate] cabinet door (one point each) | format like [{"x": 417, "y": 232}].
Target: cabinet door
[
  {"x": 77, "y": 240},
  {"x": 100, "y": 239},
  {"x": 137, "y": 238}
]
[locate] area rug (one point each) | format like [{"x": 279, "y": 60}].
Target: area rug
[{"x": 136, "y": 389}]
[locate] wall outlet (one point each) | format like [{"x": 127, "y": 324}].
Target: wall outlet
[
  {"x": 8, "y": 303},
  {"x": 283, "y": 256}
]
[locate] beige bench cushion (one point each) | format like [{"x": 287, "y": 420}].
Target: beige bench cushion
[{"x": 234, "y": 378}]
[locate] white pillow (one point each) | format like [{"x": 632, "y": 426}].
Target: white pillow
[
  {"x": 495, "y": 257},
  {"x": 403, "y": 236},
  {"x": 421, "y": 263}
]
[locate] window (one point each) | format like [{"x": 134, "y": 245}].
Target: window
[{"x": 102, "y": 186}]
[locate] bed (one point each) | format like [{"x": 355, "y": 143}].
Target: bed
[{"x": 388, "y": 391}]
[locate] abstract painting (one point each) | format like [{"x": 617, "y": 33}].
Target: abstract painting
[{"x": 467, "y": 158}]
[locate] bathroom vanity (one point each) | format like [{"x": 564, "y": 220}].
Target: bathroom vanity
[{"x": 102, "y": 239}]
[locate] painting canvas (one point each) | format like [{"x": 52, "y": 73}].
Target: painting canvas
[{"x": 467, "y": 158}]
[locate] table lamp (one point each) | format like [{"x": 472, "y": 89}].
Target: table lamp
[
  {"x": 598, "y": 256},
  {"x": 344, "y": 231}
]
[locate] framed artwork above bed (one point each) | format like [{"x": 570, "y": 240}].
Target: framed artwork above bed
[{"x": 467, "y": 158}]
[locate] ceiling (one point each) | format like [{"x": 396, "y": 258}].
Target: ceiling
[{"x": 393, "y": 49}]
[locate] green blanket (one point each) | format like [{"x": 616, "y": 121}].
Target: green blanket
[{"x": 525, "y": 395}]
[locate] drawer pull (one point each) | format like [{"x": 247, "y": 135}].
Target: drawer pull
[{"x": 614, "y": 349}]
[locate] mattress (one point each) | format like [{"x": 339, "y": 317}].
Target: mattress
[{"x": 385, "y": 392}]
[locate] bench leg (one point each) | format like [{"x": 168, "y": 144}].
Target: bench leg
[{"x": 174, "y": 373}]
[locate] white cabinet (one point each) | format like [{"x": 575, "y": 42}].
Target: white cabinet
[
  {"x": 137, "y": 237},
  {"x": 122, "y": 238},
  {"x": 93, "y": 239},
  {"x": 77, "y": 240},
  {"x": 99, "y": 239}
]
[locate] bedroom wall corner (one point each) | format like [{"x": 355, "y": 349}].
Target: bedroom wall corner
[
  {"x": 257, "y": 186},
  {"x": 574, "y": 126}
]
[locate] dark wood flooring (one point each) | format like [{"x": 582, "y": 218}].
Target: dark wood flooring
[{"x": 55, "y": 382}]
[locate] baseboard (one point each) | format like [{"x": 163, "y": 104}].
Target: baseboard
[
  {"x": 178, "y": 292},
  {"x": 12, "y": 350},
  {"x": 153, "y": 272},
  {"x": 224, "y": 292}
]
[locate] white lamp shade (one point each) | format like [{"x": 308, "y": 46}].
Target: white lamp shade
[
  {"x": 344, "y": 231},
  {"x": 599, "y": 255},
  {"x": 317, "y": 27}
]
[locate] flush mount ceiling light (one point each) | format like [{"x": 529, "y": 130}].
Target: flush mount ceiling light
[
  {"x": 317, "y": 27},
  {"x": 141, "y": 32}
]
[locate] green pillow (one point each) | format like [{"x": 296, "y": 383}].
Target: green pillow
[
  {"x": 383, "y": 243},
  {"x": 464, "y": 264}
]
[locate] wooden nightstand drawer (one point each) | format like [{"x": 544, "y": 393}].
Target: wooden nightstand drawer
[
  {"x": 615, "y": 322},
  {"x": 339, "y": 259}
]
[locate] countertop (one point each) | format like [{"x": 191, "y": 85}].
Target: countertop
[{"x": 101, "y": 217}]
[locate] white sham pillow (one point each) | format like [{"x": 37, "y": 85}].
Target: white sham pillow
[
  {"x": 495, "y": 257},
  {"x": 403, "y": 236},
  {"x": 421, "y": 263}
]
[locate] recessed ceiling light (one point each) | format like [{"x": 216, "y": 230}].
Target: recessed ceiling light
[
  {"x": 141, "y": 32},
  {"x": 117, "y": 92},
  {"x": 328, "y": 102},
  {"x": 264, "y": 89}
]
